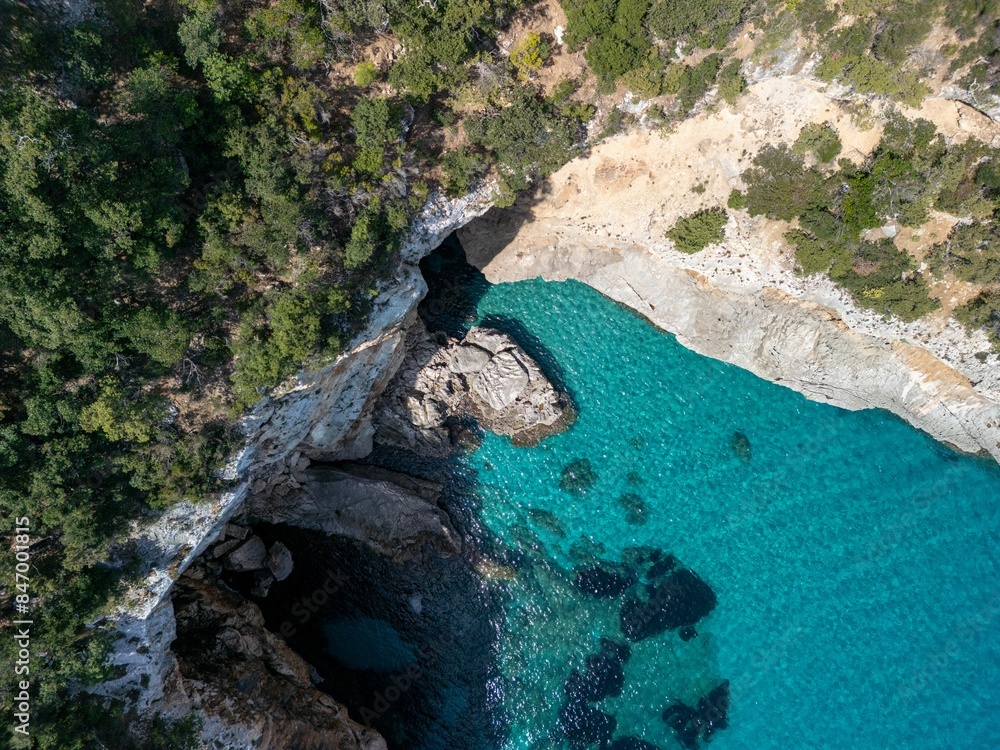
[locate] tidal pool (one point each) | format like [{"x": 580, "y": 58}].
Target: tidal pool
[{"x": 855, "y": 560}]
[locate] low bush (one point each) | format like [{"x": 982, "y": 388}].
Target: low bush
[
  {"x": 819, "y": 139},
  {"x": 699, "y": 230}
]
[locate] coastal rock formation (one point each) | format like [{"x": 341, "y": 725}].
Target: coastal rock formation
[
  {"x": 602, "y": 219},
  {"x": 324, "y": 413},
  {"x": 393, "y": 514},
  {"x": 485, "y": 375},
  {"x": 250, "y": 687}
]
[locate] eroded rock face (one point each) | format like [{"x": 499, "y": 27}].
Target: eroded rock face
[
  {"x": 485, "y": 375},
  {"x": 251, "y": 688},
  {"x": 392, "y": 513}
]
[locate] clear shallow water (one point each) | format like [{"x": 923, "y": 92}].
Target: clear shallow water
[{"x": 854, "y": 559}]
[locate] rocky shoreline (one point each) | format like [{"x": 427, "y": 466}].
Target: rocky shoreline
[{"x": 739, "y": 303}]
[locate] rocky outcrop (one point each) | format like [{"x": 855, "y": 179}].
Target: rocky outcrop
[
  {"x": 395, "y": 515},
  {"x": 602, "y": 220},
  {"x": 485, "y": 375},
  {"x": 323, "y": 413},
  {"x": 251, "y": 689}
]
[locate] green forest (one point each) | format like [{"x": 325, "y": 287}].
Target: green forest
[{"x": 193, "y": 205}]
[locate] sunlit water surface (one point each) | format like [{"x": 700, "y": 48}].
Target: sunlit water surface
[{"x": 854, "y": 559}]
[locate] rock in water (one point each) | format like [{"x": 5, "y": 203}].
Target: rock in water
[
  {"x": 714, "y": 710},
  {"x": 578, "y": 476},
  {"x": 502, "y": 380},
  {"x": 706, "y": 719},
  {"x": 662, "y": 566},
  {"x": 679, "y": 600},
  {"x": 248, "y": 556},
  {"x": 741, "y": 446},
  {"x": 634, "y": 507},
  {"x": 604, "y": 676},
  {"x": 485, "y": 376},
  {"x": 546, "y": 520},
  {"x": 632, "y": 743},
  {"x": 279, "y": 561},
  {"x": 600, "y": 582},
  {"x": 469, "y": 358},
  {"x": 583, "y": 725}
]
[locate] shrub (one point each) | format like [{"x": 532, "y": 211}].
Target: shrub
[
  {"x": 529, "y": 55},
  {"x": 699, "y": 230},
  {"x": 971, "y": 252},
  {"x": 366, "y": 73},
  {"x": 820, "y": 139},
  {"x": 691, "y": 83},
  {"x": 982, "y": 313},
  {"x": 731, "y": 82},
  {"x": 706, "y": 23},
  {"x": 779, "y": 186},
  {"x": 882, "y": 278},
  {"x": 461, "y": 169}
]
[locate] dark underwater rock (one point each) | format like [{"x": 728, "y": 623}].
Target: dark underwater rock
[
  {"x": 687, "y": 633},
  {"x": 585, "y": 551},
  {"x": 679, "y": 600},
  {"x": 634, "y": 507},
  {"x": 524, "y": 538},
  {"x": 604, "y": 676},
  {"x": 547, "y": 520},
  {"x": 708, "y": 717},
  {"x": 632, "y": 743},
  {"x": 578, "y": 476},
  {"x": 663, "y": 565},
  {"x": 634, "y": 478},
  {"x": 583, "y": 724},
  {"x": 602, "y": 582},
  {"x": 740, "y": 444}
]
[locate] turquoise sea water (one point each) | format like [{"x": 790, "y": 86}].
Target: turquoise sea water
[{"x": 855, "y": 561}]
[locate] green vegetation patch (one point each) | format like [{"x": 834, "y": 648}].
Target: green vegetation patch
[{"x": 699, "y": 230}]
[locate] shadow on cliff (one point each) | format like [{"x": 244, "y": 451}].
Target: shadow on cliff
[
  {"x": 487, "y": 236},
  {"x": 454, "y": 290}
]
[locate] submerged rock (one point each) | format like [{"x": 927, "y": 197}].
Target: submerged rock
[
  {"x": 602, "y": 582},
  {"x": 632, "y": 743},
  {"x": 634, "y": 507},
  {"x": 547, "y": 520},
  {"x": 661, "y": 566},
  {"x": 708, "y": 717},
  {"x": 604, "y": 676},
  {"x": 583, "y": 724},
  {"x": 740, "y": 444},
  {"x": 679, "y": 600},
  {"x": 578, "y": 476}
]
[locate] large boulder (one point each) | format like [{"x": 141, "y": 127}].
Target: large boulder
[
  {"x": 501, "y": 381},
  {"x": 248, "y": 556},
  {"x": 392, "y": 513},
  {"x": 485, "y": 375}
]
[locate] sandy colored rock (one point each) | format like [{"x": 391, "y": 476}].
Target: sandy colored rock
[
  {"x": 602, "y": 219},
  {"x": 501, "y": 381},
  {"x": 486, "y": 375},
  {"x": 469, "y": 359}
]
